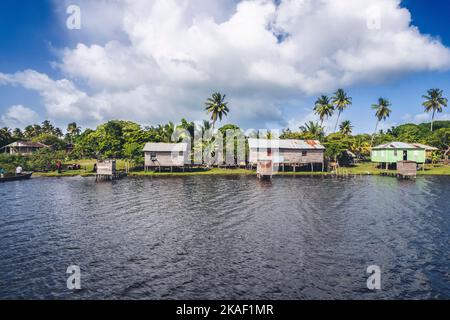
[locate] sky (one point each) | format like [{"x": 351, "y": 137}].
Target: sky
[{"x": 153, "y": 61}]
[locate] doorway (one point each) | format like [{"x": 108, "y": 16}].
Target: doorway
[{"x": 405, "y": 155}]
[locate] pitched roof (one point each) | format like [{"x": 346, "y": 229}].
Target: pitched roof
[
  {"x": 424, "y": 146},
  {"x": 165, "y": 147},
  {"x": 398, "y": 145},
  {"x": 285, "y": 144},
  {"x": 26, "y": 144}
]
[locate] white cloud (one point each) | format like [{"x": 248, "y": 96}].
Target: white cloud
[
  {"x": 19, "y": 116},
  {"x": 166, "y": 56},
  {"x": 421, "y": 117}
]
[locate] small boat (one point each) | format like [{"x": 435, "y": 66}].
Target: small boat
[{"x": 12, "y": 177}]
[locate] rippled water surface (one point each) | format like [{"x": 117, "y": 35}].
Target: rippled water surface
[{"x": 225, "y": 237}]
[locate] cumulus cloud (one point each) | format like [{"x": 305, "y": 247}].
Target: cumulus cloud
[
  {"x": 171, "y": 54},
  {"x": 19, "y": 116}
]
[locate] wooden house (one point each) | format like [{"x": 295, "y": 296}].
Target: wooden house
[
  {"x": 24, "y": 148},
  {"x": 291, "y": 153},
  {"x": 393, "y": 152},
  {"x": 166, "y": 155}
]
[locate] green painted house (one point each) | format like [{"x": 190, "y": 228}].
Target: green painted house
[{"x": 398, "y": 151}]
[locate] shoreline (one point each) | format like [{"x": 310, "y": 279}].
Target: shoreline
[{"x": 347, "y": 172}]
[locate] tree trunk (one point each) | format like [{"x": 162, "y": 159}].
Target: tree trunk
[
  {"x": 373, "y": 136},
  {"x": 446, "y": 155},
  {"x": 337, "y": 121},
  {"x": 432, "y": 120}
]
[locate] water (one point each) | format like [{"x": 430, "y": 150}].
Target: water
[{"x": 225, "y": 238}]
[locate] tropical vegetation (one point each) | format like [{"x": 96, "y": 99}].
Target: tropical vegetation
[{"x": 125, "y": 139}]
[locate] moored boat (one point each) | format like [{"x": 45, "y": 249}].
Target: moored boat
[{"x": 12, "y": 177}]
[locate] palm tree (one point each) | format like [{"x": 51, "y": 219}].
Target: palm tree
[
  {"x": 382, "y": 113},
  {"x": 47, "y": 127},
  {"x": 17, "y": 134},
  {"x": 323, "y": 108},
  {"x": 434, "y": 102},
  {"x": 346, "y": 127},
  {"x": 313, "y": 128},
  {"x": 360, "y": 147},
  {"x": 269, "y": 135},
  {"x": 217, "y": 107},
  {"x": 341, "y": 102},
  {"x": 73, "y": 130},
  {"x": 28, "y": 131}
]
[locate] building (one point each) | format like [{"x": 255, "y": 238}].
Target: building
[
  {"x": 166, "y": 155},
  {"x": 428, "y": 150},
  {"x": 23, "y": 147},
  {"x": 398, "y": 151},
  {"x": 291, "y": 153}
]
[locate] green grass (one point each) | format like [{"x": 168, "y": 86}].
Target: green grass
[
  {"x": 435, "y": 170},
  {"x": 87, "y": 166}
]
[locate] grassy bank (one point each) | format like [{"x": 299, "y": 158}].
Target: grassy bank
[{"x": 360, "y": 169}]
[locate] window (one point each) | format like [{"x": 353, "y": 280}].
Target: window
[
  {"x": 395, "y": 153},
  {"x": 153, "y": 156},
  {"x": 180, "y": 154},
  {"x": 269, "y": 152},
  {"x": 304, "y": 153}
]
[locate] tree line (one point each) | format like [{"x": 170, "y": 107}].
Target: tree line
[{"x": 125, "y": 139}]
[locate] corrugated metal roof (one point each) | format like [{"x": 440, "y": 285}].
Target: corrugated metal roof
[
  {"x": 397, "y": 145},
  {"x": 424, "y": 146},
  {"x": 165, "y": 147},
  {"x": 285, "y": 144}
]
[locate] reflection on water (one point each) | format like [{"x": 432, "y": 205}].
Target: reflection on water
[{"x": 225, "y": 237}]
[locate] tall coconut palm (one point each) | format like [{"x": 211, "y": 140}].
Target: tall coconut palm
[
  {"x": 434, "y": 102},
  {"x": 341, "y": 101},
  {"x": 323, "y": 108},
  {"x": 346, "y": 127},
  {"x": 73, "y": 130},
  {"x": 217, "y": 107},
  {"x": 382, "y": 113}
]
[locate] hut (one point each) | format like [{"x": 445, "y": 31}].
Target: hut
[
  {"x": 407, "y": 168},
  {"x": 264, "y": 169},
  {"x": 106, "y": 170},
  {"x": 106, "y": 167},
  {"x": 393, "y": 152},
  {"x": 291, "y": 153},
  {"x": 24, "y": 148},
  {"x": 166, "y": 155}
]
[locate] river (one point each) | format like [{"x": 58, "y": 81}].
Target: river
[{"x": 225, "y": 237}]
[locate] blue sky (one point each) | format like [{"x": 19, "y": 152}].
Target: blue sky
[{"x": 33, "y": 37}]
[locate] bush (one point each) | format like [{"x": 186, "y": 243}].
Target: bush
[
  {"x": 10, "y": 163},
  {"x": 45, "y": 160}
]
